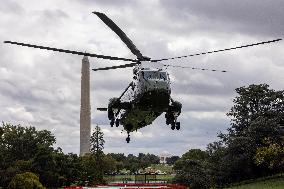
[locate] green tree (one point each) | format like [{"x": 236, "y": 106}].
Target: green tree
[
  {"x": 216, "y": 165},
  {"x": 192, "y": 155},
  {"x": 257, "y": 110},
  {"x": 93, "y": 166},
  {"x": 21, "y": 143},
  {"x": 192, "y": 169},
  {"x": 97, "y": 142},
  {"x": 145, "y": 160},
  {"x": 89, "y": 171},
  {"x": 18, "y": 146},
  {"x": 25, "y": 180},
  {"x": 271, "y": 156},
  {"x": 45, "y": 165},
  {"x": 109, "y": 164},
  {"x": 132, "y": 164},
  {"x": 256, "y": 115},
  {"x": 70, "y": 168},
  {"x": 96, "y": 158},
  {"x": 120, "y": 159},
  {"x": 25, "y": 149},
  {"x": 171, "y": 160}
]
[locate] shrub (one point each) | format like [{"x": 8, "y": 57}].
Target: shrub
[{"x": 25, "y": 180}]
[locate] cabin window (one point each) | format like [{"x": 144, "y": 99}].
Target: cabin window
[
  {"x": 163, "y": 76},
  {"x": 154, "y": 75}
]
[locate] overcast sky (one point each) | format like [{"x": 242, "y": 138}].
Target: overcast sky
[{"x": 42, "y": 88}]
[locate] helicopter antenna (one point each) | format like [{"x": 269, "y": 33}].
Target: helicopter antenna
[
  {"x": 221, "y": 50},
  {"x": 195, "y": 68}
]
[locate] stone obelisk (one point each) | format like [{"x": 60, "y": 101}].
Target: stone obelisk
[{"x": 85, "y": 111}]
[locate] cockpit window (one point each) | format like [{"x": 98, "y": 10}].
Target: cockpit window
[{"x": 154, "y": 75}]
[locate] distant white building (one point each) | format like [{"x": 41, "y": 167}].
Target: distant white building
[{"x": 163, "y": 156}]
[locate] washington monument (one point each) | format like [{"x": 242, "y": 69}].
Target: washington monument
[{"x": 85, "y": 111}]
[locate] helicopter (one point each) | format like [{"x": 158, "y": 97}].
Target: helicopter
[
  {"x": 145, "y": 99},
  {"x": 149, "y": 94}
]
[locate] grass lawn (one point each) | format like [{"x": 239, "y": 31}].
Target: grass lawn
[
  {"x": 121, "y": 177},
  {"x": 132, "y": 177},
  {"x": 276, "y": 183},
  {"x": 163, "y": 167}
]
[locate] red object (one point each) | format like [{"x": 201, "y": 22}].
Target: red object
[
  {"x": 135, "y": 186},
  {"x": 148, "y": 186}
]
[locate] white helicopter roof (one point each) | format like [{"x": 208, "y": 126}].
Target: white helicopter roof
[{"x": 152, "y": 65}]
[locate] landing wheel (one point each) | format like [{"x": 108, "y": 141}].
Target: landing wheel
[
  {"x": 111, "y": 122},
  {"x": 128, "y": 138},
  {"x": 173, "y": 126},
  {"x": 178, "y": 125},
  {"x": 168, "y": 121},
  {"x": 117, "y": 122}
]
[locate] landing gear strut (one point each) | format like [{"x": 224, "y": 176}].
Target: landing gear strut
[
  {"x": 117, "y": 122},
  {"x": 175, "y": 125},
  {"x": 178, "y": 125},
  {"x": 112, "y": 122},
  {"x": 171, "y": 119}
]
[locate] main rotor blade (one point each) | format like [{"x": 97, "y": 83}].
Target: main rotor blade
[
  {"x": 115, "y": 67},
  {"x": 195, "y": 68},
  {"x": 209, "y": 52},
  {"x": 71, "y": 52},
  {"x": 121, "y": 35}
]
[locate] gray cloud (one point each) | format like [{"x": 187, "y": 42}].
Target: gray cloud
[
  {"x": 42, "y": 88},
  {"x": 252, "y": 17},
  {"x": 11, "y": 7}
]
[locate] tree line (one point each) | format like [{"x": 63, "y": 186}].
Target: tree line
[
  {"x": 252, "y": 147},
  {"x": 25, "y": 151}
]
